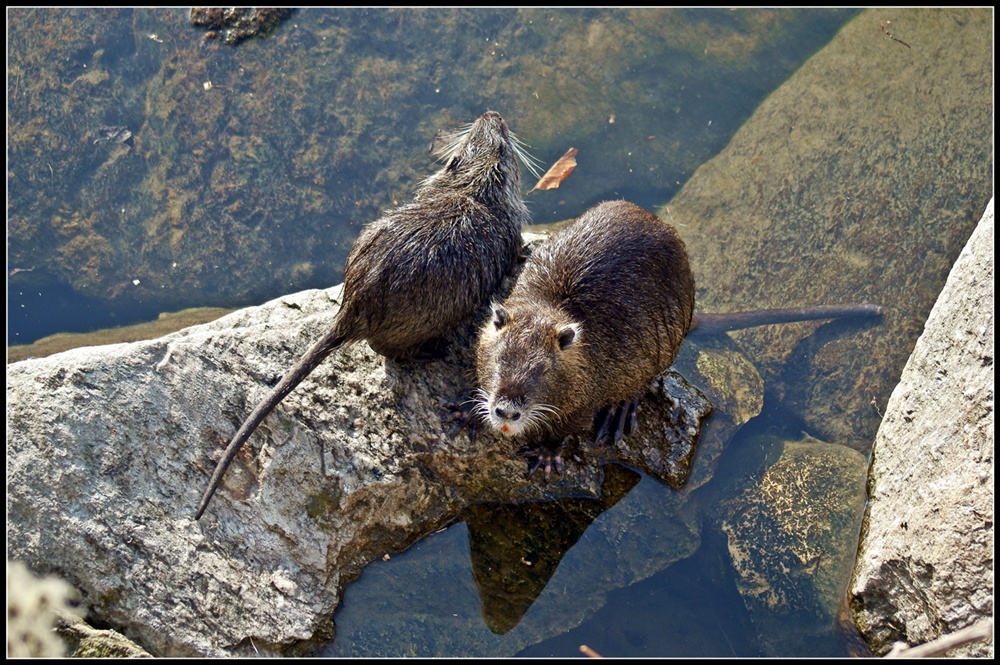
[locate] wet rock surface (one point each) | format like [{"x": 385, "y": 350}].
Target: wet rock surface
[
  {"x": 110, "y": 447},
  {"x": 925, "y": 563}
]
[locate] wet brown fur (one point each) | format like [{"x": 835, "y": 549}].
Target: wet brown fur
[
  {"x": 617, "y": 289},
  {"x": 598, "y": 312},
  {"x": 418, "y": 271}
]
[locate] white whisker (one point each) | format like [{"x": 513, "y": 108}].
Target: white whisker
[
  {"x": 452, "y": 139},
  {"x": 481, "y": 403},
  {"x": 531, "y": 164},
  {"x": 547, "y": 408},
  {"x": 537, "y": 417}
]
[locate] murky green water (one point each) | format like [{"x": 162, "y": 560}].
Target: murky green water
[
  {"x": 248, "y": 175},
  {"x": 251, "y": 169}
]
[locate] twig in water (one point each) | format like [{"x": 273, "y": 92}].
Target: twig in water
[
  {"x": 978, "y": 632},
  {"x": 895, "y": 39}
]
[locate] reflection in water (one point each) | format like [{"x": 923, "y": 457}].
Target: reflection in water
[
  {"x": 523, "y": 573},
  {"x": 515, "y": 550}
]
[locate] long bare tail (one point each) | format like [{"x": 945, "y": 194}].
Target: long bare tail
[
  {"x": 713, "y": 324},
  {"x": 312, "y": 358}
]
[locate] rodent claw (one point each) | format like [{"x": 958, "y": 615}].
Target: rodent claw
[
  {"x": 461, "y": 418},
  {"x": 547, "y": 457},
  {"x": 615, "y": 421}
]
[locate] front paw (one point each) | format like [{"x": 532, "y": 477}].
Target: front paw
[
  {"x": 461, "y": 416},
  {"x": 547, "y": 455}
]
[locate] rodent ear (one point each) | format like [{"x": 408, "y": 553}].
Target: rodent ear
[
  {"x": 500, "y": 316},
  {"x": 457, "y": 160},
  {"x": 569, "y": 334}
]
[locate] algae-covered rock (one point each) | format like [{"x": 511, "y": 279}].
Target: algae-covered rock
[
  {"x": 858, "y": 180},
  {"x": 792, "y": 535}
]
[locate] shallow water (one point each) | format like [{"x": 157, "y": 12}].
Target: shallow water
[{"x": 252, "y": 168}]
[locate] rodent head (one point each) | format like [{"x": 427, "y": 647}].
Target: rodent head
[
  {"x": 526, "y": 360},
  {"x": 482, "y": 156}
]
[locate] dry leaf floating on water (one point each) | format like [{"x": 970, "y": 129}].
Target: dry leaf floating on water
[{"x": 559, "y": 172}]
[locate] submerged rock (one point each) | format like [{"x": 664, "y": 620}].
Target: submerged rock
[
  {"x": 235, "y": 24},
  {"x": 858, "y": 180},
  {"x": 792, "y": 533}
]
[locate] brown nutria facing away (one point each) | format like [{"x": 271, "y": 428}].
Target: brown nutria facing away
[
  {"x": 598, "y": 311},
  {"x": 418, "y": 271}
]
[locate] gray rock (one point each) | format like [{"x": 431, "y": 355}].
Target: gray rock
[
  {"x": 109, "y": 449},
  {"x": 925, "y": 564}
]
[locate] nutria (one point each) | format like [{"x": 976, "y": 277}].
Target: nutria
[
  {"x": 598, "y": 311},
  {"x": 416, "y": 272}
]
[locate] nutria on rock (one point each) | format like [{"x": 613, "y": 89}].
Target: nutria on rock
[
  {"x": 597, "y": 312},
  {"x": 421, "y": 269}
]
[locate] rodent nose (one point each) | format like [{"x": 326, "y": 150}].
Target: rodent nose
[{"x": 502, "y": 413}]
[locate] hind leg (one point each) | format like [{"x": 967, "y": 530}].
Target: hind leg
[
  {"x": 615, "y": 421},
  {"x": 432, "y": 349}
]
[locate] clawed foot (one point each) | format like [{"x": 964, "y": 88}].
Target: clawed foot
[
  {"x": 613, "y": 422},
  {"x": 461, "y": 416},
  {"x": 547, "y": 456}
]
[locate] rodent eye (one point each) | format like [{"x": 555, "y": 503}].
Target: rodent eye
[{"x": 567, "y": 335}]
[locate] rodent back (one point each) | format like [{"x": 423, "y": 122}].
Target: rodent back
[
  {"x": 419, "y": 270},
  {"x": 621, "y": 276}
]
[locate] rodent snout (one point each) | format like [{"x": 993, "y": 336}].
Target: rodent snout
[{"x": 507, "y": 414}]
